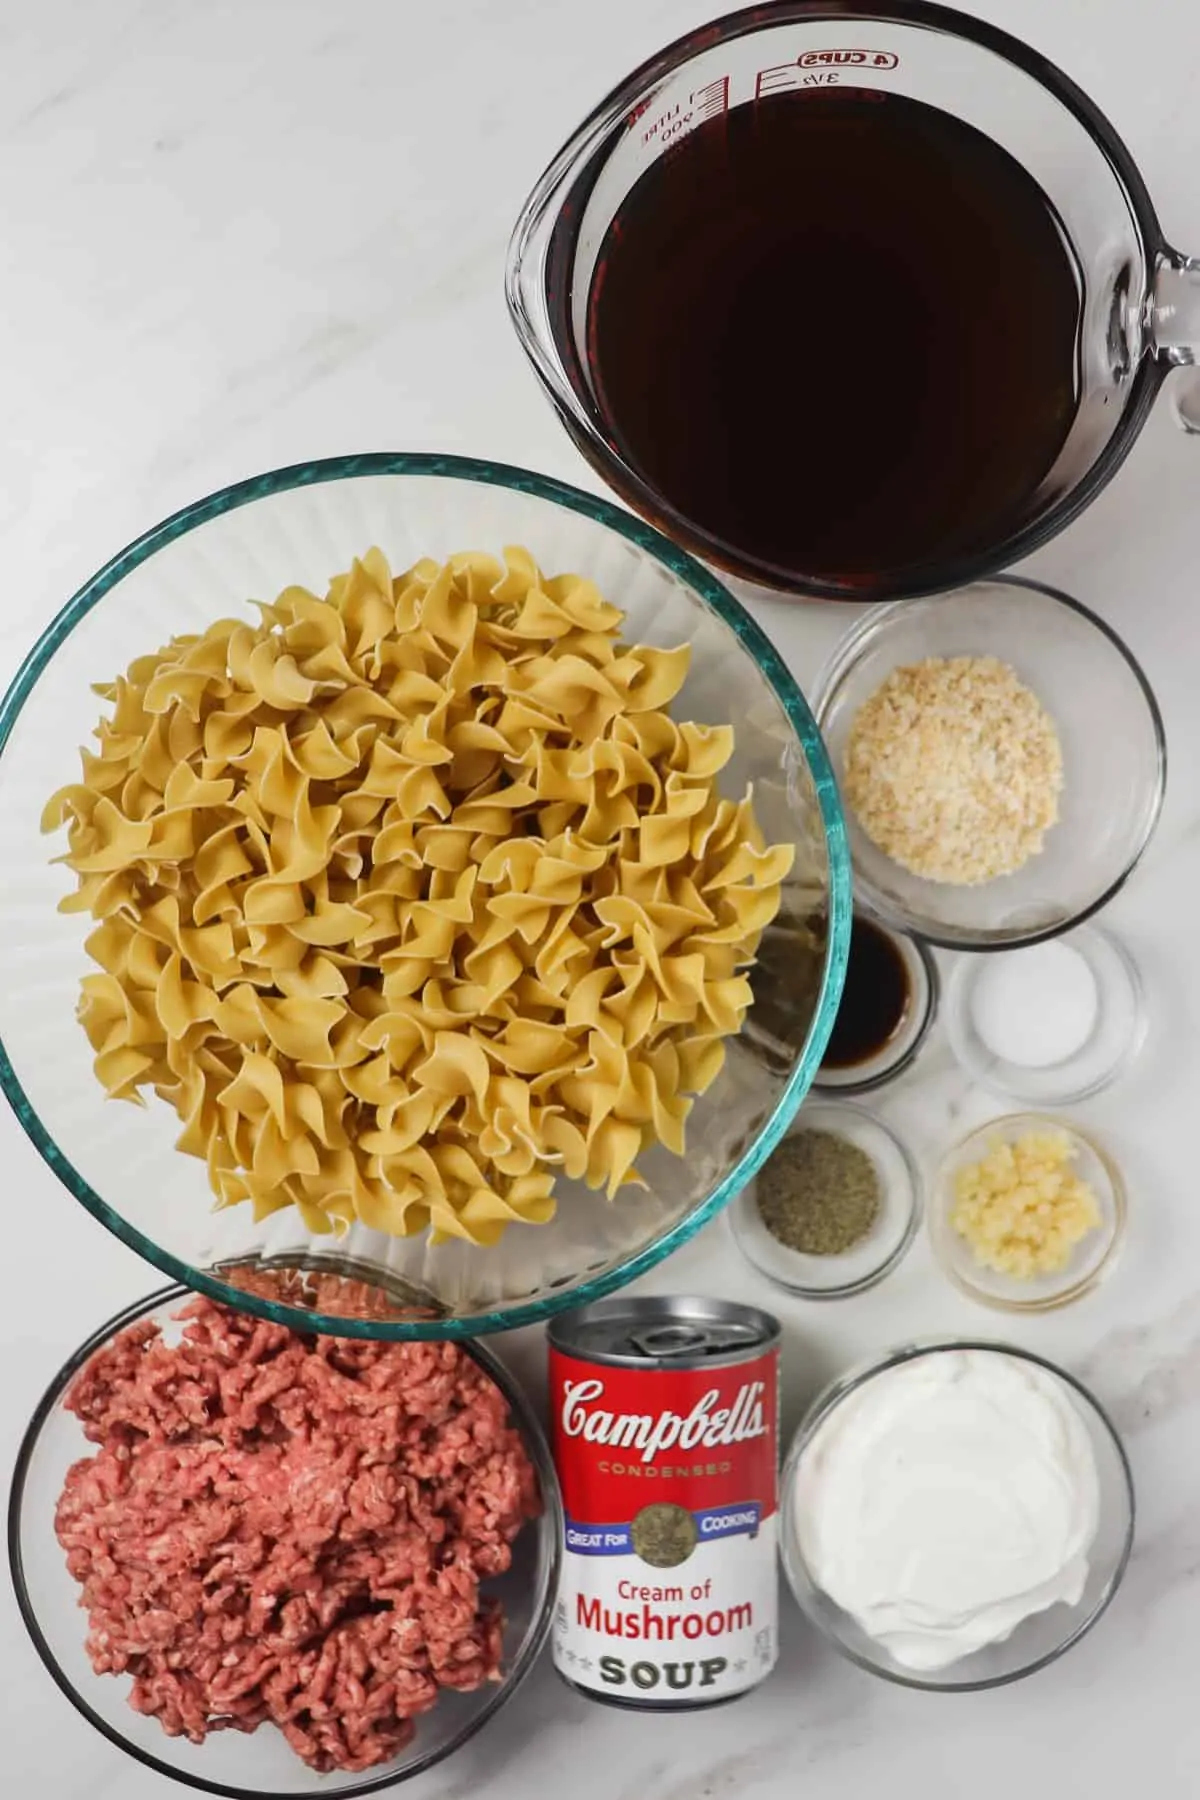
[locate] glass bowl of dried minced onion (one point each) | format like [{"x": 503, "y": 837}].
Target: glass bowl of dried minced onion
[{"x": 1001, "y": 758}]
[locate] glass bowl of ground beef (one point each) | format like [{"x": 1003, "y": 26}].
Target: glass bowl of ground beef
[
  {"x": 272, "y": 1564},
  {"x": 1001, "y": 758}
]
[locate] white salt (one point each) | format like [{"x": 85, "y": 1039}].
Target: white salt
[{"x": 1035, "y": 1007}]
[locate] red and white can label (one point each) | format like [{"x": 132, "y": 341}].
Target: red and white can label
[{"x": 669, "y": 1477}]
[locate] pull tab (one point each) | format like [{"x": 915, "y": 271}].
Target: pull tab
[
  {"x": 671, "y": 1340},
  {"x": 662, "y": 1342}
]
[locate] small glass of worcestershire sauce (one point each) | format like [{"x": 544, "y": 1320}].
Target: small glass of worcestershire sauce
[{"x": 888, "y": 1004}]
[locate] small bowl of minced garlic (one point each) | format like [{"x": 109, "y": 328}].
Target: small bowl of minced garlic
[{"x": 1027, "y": 1213}]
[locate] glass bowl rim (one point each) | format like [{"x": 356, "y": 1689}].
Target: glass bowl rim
[
  {"x": 712, "y": 593},
  {"x": 915, "y": 1211},
  {"x": 839, "y": 1389},
  {"x": 524, "y": 1416},
  {"x": 868, "y": 630},
  {"x": 937, "y": 1225}
]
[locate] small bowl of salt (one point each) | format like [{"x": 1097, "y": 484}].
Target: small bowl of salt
[{"x": 1049, "y": 1025}]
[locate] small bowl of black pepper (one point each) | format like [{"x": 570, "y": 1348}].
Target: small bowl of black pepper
[{"x": 834, "y": 1209}]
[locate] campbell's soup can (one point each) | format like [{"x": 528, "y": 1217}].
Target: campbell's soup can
[{"x": 664, "y": 1420}]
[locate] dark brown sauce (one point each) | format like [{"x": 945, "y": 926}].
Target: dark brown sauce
[
  {"x": 837, "y": 332},
  {"x": 875, "y": 999}
]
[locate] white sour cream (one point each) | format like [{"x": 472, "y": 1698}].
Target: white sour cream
[{"x": 947, "y": 1499}]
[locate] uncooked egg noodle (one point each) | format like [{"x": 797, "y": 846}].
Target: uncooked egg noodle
[{"x": 413, "y": 896}]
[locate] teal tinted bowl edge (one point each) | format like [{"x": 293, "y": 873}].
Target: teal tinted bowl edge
[{"x": 754, "y": 640}]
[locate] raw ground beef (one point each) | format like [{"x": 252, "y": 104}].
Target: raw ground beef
[{"x": 293, "y": 1529}]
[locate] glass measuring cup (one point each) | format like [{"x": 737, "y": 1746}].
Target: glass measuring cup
[{"x": 1139, "y": 300}]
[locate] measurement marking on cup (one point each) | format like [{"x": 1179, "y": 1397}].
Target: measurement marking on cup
[
  {"x": 856, "y": 59},
  {"x": 817, "y": 68},
  {"x": 712, "y": 98},
  {"x": 705, "y": 103},
  {"x": 811, "y": 69}
]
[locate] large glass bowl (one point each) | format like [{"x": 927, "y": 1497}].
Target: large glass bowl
[
  {"x": 258, "y": 1765},
  {"x": 302, "y": 525},
  {"x": 1037, "y": 1640}
]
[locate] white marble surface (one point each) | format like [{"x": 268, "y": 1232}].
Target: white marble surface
[{"x": 247, "y": 232}]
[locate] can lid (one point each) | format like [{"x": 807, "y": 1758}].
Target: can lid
[{"x": 675, "y": 1330}]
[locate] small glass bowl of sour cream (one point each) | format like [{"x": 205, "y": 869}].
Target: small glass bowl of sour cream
[{"x": 955, "y": 1515}]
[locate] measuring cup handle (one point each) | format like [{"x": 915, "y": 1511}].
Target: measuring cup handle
[{"x": 1172, "y": 324}]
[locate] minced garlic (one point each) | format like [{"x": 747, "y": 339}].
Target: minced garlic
[{"x": 1022, "y": 1209}]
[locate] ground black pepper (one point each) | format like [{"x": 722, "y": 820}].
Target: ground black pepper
[{"x": 819, "y": 1193}]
